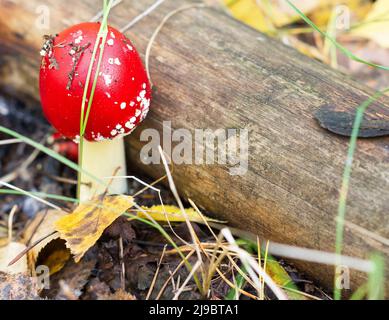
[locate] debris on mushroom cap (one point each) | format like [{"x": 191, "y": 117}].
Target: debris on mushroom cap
[{"x": 122, "y": 96}]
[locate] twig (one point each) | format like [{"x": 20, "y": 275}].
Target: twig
[
  {"x": 154, "y": 36},
  {"x": 21, "y": 254},
  {"x": 142, "y": 15},
  {"x": 10, "y": 222},
  {"x": 121, "y": 258},
  {"x": 156, "y": 274}
]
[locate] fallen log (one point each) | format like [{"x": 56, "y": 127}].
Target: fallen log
[{"x": 212, "y": 72}]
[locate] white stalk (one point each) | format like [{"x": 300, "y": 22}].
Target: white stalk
[{"x": 103, "y": 159}]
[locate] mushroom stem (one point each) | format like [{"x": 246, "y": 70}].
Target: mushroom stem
[{"x": 103, "y": 159}]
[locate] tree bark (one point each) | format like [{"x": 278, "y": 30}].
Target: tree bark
[{"x": 212, "y": 72}]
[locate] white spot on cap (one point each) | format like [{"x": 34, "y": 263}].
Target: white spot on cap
[
  {"x": 114, "y": 132},
  {"x": 112, "y": 35},
  {"x": 107, "y": 79},
  {"x": 129, "y": 125},
  {"x": 132, "y": 103},
  {"x": 144, "y": 86},
  {"x": 110, "y": 42},
  {"x": 137, "y": 112},
  {"x": 144, "y": 114},
  {"x": 108, "y": 95},
  {"x": 110, "y": 60},
  {"x": 99, "y": 137},
  {"x": 117, "y": 61},
  {"x": 130, "y": 47},
  {"x": 78, "y": 39},
  {"x": 76, "y": 139},
  {"x": 119, "y": 126},
  {"x": 123, "y": 105},
  {"x": 132, "y": 120},
  {"x": 133, "y": 79}
]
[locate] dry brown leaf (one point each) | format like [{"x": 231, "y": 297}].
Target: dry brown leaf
[
  {"x": 70, "y": 281},
  {"x": 85, "y": 225},
  {"x": 41, "y": 226},
  {"x": 8, "y": 253},
  {"x": 119, "y": 295}
]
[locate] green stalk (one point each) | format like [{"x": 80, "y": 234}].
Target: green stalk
[
  {"x": 346, "y": 180},
  {"x": 101, "y": 37}
]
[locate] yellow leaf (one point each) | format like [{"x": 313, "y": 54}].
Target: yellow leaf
[
  {"x": 173, "y": 214},
  {"x": 282, "y": 278},
  {"x": 8, "y": 253},
  {"x": 322, "y": 14},
  {"x": 376, "y": 24},
  {"x": 85, "y": 225},
  {"x": 248, "y": 12},
  {"x": 56, "y": 259},
  {"x": 265, "y": 15}
]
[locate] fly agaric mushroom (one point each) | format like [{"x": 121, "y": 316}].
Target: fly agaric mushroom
[{"x": 120, "y": 102}]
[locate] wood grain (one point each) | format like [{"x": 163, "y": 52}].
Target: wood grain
[{"x": 212, "y": 72}]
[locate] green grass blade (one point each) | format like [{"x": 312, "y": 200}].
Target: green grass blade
[
  {"x": 49, "y": 152},
  {"x": 39, "y": 194},
  {"x": 240, "y": 282},
  {"x": 346, "y": 177},
  {"x": 376, "y": 281}
]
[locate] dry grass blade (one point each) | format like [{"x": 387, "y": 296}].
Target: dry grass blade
[
  {"x": 10, "y": 222},
  {"x": 156, "y": 274},
  {"x": 191, "y": 274},
  {"x": 252, "y": 267},
  {"x": 9, "y": 141},
  {"x": 26, "y": 193},
  {"x": 142, "y": 15},
  {"x": 233, "y": 286},
  {"x": 196, "y": 241},
  {"x": 179, "y": 266},
  {"x": 154, "y": 36},
  {"x": 366, "y": 233}
]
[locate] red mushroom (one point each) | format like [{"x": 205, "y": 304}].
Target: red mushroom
[{"x": 121, "y": 99}]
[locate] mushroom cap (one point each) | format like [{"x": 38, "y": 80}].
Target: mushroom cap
[{"x": 122, "y": 96}]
